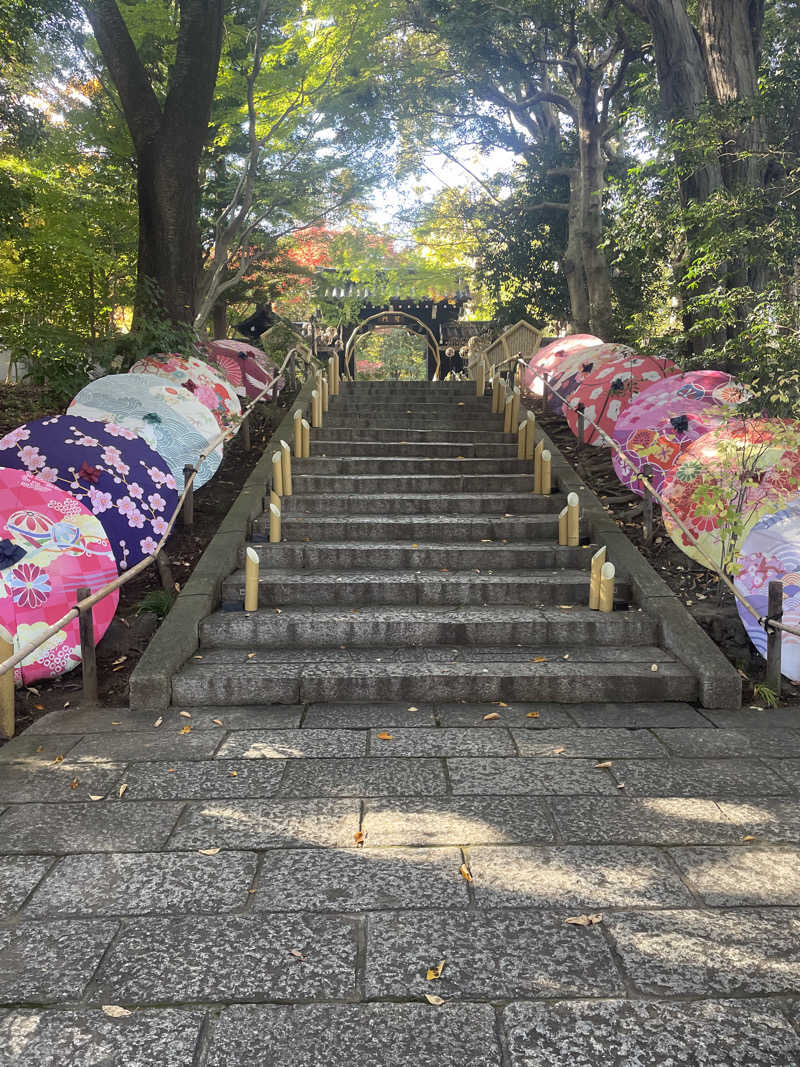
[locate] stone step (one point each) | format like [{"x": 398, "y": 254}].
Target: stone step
[
  {"x": 420, "y": 627},
  {"x": 386, "y": 387},
  {"x": 474, "y": 409},
  {"x": 341, "y": 446},
  {"x": 412, "y": 528},
  {"x": 499, "y": 504},
  {"x": 370, "y": 465},
  {"x": 200, "y": 684},
  {"x": 356, "y": 433},
  {"x": 354, "y": 555},
  {"x": 381, "y": 484},
  {"x": 404, "y": 421},
  {"x": 360, "y": 588}
]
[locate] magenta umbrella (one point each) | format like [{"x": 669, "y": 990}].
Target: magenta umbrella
[
  {"x": 576, "y": 366},
  {"x": 544, "y": 364},
  {"x": 237, "y": 362}
]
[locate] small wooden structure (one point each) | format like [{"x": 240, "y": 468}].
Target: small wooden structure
[{"x": 521, "y": 340}]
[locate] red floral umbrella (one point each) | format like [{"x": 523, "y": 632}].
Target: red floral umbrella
[
  {"x": 50, "y": 547},
  {"x": 547, "y": 359},
  {"x": 608, "y": 390},
  {"x": 206, "y": 385},
  {"x": 236, "y": 360},
  {"x": 576, "y": 366}
]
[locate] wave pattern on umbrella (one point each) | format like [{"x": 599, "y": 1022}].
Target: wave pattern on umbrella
[{"x": 198, "y": 378}]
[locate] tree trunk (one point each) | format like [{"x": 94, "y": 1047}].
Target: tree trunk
[
  {"x": 572, "y": 263},
  {"x": 592, "y": 165},
  {"x": 221, "y": 319}
]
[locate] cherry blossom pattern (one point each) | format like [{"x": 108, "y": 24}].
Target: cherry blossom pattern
[{"x": 207, "y": 385}]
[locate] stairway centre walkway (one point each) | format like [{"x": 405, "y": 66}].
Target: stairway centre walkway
[{"x": 422, "y": 806}]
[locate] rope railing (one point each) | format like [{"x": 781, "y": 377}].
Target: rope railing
[{"x": 89, "y": 602}]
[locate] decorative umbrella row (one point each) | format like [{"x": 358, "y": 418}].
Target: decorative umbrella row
[
  {"x": 733, "y": 481},
  {"x": 90, "y": 493}
]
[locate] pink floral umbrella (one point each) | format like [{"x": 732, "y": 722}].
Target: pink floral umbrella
[
  {"x": 114, "y": 473},
  {"x": 726, "y": 481},
  {"x": 50, "y": 547},
  {"x": 547, "y": 359},
  {"x": 577, "y": 366},
  {"x": 609, "y": 389},
  {"x": 198, "y": 378},
  {"x": 242, "y": 369},
  {"x": 666, "y": 417}
]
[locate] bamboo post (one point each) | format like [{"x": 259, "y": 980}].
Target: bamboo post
[
  {"x": 286, "y": 468},
  {"x": 165, "y": 571},
  {"x": 546, "y": 473},
  {"x": 598, "y": 559},
  {"x": 325, "y": 393},
  {"x": 647, "y": 507},
  {"x": 581, "y": 425},
  {"x": 530, "y": 444},
  {"x": 275, "y": 499},
  {"x": 495, "y": 395},
  {"x": 316, "y": 409},
  {"x": 508, "y": 410},
  {"x": 537, "y": 467},
  {"x": 251, "y": 580},
  {"x": 332, "y": 375},
  {"x": 274, "y": 524},
  {"x": 562, "y": 527},
  {"x": 88, "y": 657},
  {"x": 501, "y": 397},
  {"x": 522, "y": 439},
  {"x": 188, "y": 504},
  {"x": 514, "y": 408},
  {"x": 545, "y": 391},
  {"x": 6, "y": 686},
  {"x": 306, "y": 453},
  {"x": 607, "y": 573},
  {"x": 246, "y": 433},
  {"x": 573, "y": 521},
  {"x": 774, "y": 637},
  {"x": 297, "y": 429},
  {"x": 480, "y": 379},
  {"x": 277, "y": 473}
]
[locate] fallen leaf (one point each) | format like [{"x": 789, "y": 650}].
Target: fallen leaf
[
  {"x": 464, "y": 871},
  {"x": 58, "y": 759},
  {"x": 184, "y": 714},
  {"x": 412, "y": 708},
  {"x": 501, "y": 704},
  {"x": 185, "y": 730},
  {"x": 217, "y": 722},
  {"x": 433, "y": 999},
  {"x": 532, "y": 715},
  {"x": 197, "y": 657},
  {"x": 233, "y": 774},
  {"x": 584, "y": 920},
  {"x": 620, "y": 785},
  {"x": 654, "y": 667},
  {"x": 66, "y": 703},
  {"x": 120, "y": 659},
  {"x": 415, "y": 546},
  {"x": 298, "y": 955},
  {"x": 250, "y": 655},
  {"x": 170, "y": 770},
  {"x": 117, "y": 723},
  {"x": 95, "y": 796},
  {"x": 115, "y": 1011},
  {"x": 566, "y": 656},
  {"x": 122, "y": 789},
  {"x": 749, "y": 837},
  {"x": 39, "y": 707},
  {"x": 558, "y": 751},
  {"x": 158, "y": 721},
  {"x": 600, "y": 766},
  {"x": 74, "y": 783},
  {"x": 491, "y": 715},
  {"x": 539, "y": 659},
  {"x": 385, "y": 737},
  {"x": 39, "y": 748},
  {"x": 208, "y": 851},
  {"x": 435, "y": 972},
  {"x": 359, "y": 837}
]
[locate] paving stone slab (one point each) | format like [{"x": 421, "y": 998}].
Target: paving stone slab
[
  {"x": 27, "y": 783},
  {"x": 203, "y": 779},
  {"x": 149, "y": 883},
  {"x": 766, "y": 818},
  {"x": 368, "y": 716},
  {"x": 292, "y": 744},
  {"x": 570, "y": 876},
  {"x": 601, "y": 744},
  {"x": 372, "y": 1035},
  {"x": 788, "y": 770},
  {"x": 732, "y": 743},
  {"x": 755, "y": 718},
  {"x": 531, "y": 777},
  {"x": 37, "y": 748},
  {"x": 697, "y": 777},
  {"x": 708, "y": 953},
  {"x": 123, "y": 720},
  {"x": 360, "y": 879},
  {"x": 268, "y": 824},
  {"x": 368, "y": 777},
  {"x": 531, "y": 716},
  {"x": 200, "y": 958},
  {"x": 50, "y": 961},
  {"x": 441, "y": 742},
  {"x": 456, "y": 821},
  {"x": 19, "y": 875},
  {"x": 487, "y": 956},
  {"x": 638, "y": 716},
  {"x": 625, "y": 1034},
  {"x": 158, "y": 744},
  {"x": 647, "y": 821},
  {"x": 103, "y": 826},
  {"x": 742, "y": 875},
  {"x": 89, "y": 1038}
]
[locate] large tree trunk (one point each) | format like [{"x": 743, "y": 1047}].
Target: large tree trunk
[
  {"x": 220, "y": 319},
  {"x": 592, "y": 165},
  {"x": 572, "y": 263}
]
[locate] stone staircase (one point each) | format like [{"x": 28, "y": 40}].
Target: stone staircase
[{"x": 417, "y": 565}]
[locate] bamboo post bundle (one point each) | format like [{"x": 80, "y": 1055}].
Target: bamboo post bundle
[
  {"x": 480, "y": 379},
  {"x": 522, "y": 438},
  {"x": 277, "y": 473},
  {"x": 275, "y": 499},
  {"x": 286, "y": 468},
  {"x": 306, "y": 453},
  {"x": 251, "y": 563},
  {"x": 88, "y": 657},
  {"x": 530, "y": 443},
  {"x": 573, "y": 520},
  {"x": 515, "y": 400},
  {"x": 562, "y": 527},
  {"x": 598, "y": 559},
  {"x": 274, "y": 524},
  {"x": 297, "y": 430},
  {"x": 6, "y": 686},
  {"x": 537, "y": 467},
  {"x": 316, "y": 409},
  {"x": 547, "y": 473},
  {"x": 607, "y": 573},
  {"x": 325, "y": 393}
]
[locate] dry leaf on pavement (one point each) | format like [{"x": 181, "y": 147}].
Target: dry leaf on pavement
[
  {"x": 584, "y": 920},
  {"x": 464, "y": 871},
  {"x": 491, "y": 715},
  {"x": 115, "y": 1011},
  {"x": 433, "y": 999},
  {"x": 208, "y": 851},
  {"x": 435, "y": 972}
]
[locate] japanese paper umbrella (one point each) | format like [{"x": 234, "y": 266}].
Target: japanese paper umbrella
[
  {"x": 727, "y": 480},
  {"x": 50, "y": 547},
  {"x": 770, "y": 551},
  {"x": 172, "y": 422},
  {"x": 204, "y": 383},
  {"x": 664, "y": 419},
  {"x": 546, "y": 360},
  {"x": 609, "y": 389},
  {"x": 579, "y": 365},
  {"x": 240, "y": 367},
  {"x": 111, "y": 471}
]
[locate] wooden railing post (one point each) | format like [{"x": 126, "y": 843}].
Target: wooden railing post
[
  {"x": 480, "y": 379},
  {"x": 562, "y": 527},
  {"x": 573, "y": 520},
  {"x": 6, "y": 686},
  {"x": 325, "y": 393},
  {"x": 522, "y": 439},
  {"x": 774, "y": 637},
  {"x": 277, "y": 473},
  {"x": 515, "y": 401},
  {"x": 188, "y": 504},
  {"x": 297, "y": 429},
  {"x": 88, "y": 657},
  {"x": 274, "y": 524},
  {"x": 547, "y": 473},
  {"x": 598, "y": 559},
  {"x": 251, "y": 567},
  {"x": 530, "y": 444},
  {"x": 537, "y": 467},
  {"x": 316, "y": 409},
  {"x": 607, "y": 574},
  {"x": 306, "y": 453},
  {"x": 286, "y": 468}
]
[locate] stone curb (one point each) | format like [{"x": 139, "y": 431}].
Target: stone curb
[
  {"x": 719, "y": 681},
  {"x": 177, "y": 637}
]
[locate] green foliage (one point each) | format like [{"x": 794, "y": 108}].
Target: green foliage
[
  {"x": 395, "y": 354},
  {"x": 159, "y": 601},
  {"x": 765, "y": 695}
]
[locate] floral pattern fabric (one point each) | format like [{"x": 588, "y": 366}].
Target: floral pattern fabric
[
  {"x": 172, "y": 422},
  {"x": 547, "y": 359},
  {"x": 247, "y": 368},
  {"x": 50, "y": 547},
  {"x": 205, "y": 384},
  {"x": 114, "y": 474},
  {"x": 577, "y": 366}
]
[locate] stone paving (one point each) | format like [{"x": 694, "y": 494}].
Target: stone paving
[{"x": 213, "y": 883}]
